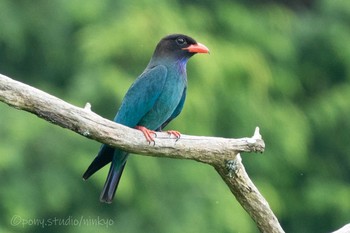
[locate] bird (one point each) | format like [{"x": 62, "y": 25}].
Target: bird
[{"x": 155, "y": 98}]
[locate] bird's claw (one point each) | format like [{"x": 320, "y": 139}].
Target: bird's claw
[
  {"x": 147, "y": 133},
  {"x": 177, "y": 134}
]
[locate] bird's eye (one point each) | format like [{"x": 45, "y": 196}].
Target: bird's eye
[{"x": 181, "y": 41}]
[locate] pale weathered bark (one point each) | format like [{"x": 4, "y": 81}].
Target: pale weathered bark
[
  {"x": 249, "y": 197},
  {"x": 344, "y": 229},
  {"x": 221, "y": 153}
]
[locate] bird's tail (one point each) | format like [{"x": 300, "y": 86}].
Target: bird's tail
[
  {"x": 106, "y": 155},
  {"x": 112, "y": 181}
]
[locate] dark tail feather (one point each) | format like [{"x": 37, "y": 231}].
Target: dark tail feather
[
  {"x": 111, "y": 183},
  {"x": 104, "y": 156}
]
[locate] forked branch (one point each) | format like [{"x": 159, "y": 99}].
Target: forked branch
[{"x": 221, "y": 153}]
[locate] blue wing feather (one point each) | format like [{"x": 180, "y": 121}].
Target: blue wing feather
[{"x": 141, "y": 96}]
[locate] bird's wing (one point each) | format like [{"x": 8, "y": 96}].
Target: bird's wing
[
  {"x": 139, "y": 99},
  {"x": 176, "y": 112},
  {"x": 141, "y": 96}
]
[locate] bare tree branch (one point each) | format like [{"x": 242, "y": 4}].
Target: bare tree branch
[
  {"x": 221, "y": 153},
  {"x": 344, "y": 229},
  {"x": 249, "y": 197}
]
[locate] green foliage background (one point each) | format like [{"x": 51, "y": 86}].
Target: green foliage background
[{"x": 283, "y": 67}]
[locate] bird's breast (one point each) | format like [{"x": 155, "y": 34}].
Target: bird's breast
[{"x": 166, "y": 102}]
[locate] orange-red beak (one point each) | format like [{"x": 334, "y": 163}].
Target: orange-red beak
[{"x": 197, "y": 48}]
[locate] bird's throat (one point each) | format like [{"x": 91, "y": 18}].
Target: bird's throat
[{"x": 181, "y": 65}]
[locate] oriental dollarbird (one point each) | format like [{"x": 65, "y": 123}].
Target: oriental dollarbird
[{"x": 155, "y": 98}]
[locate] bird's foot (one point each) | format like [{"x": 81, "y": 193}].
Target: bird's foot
[
  {"x": 147, "y": 133},
  {"x": 177, "y": 134}
]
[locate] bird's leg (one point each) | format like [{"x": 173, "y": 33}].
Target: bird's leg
[
  {"x": 177, "y": 134},
  {"x": 147, "y": 133}
]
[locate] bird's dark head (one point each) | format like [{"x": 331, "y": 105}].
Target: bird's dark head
[{"x": 179, "y": 46}]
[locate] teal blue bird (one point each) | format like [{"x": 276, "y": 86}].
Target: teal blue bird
[{"x": 155, "y": 98}]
